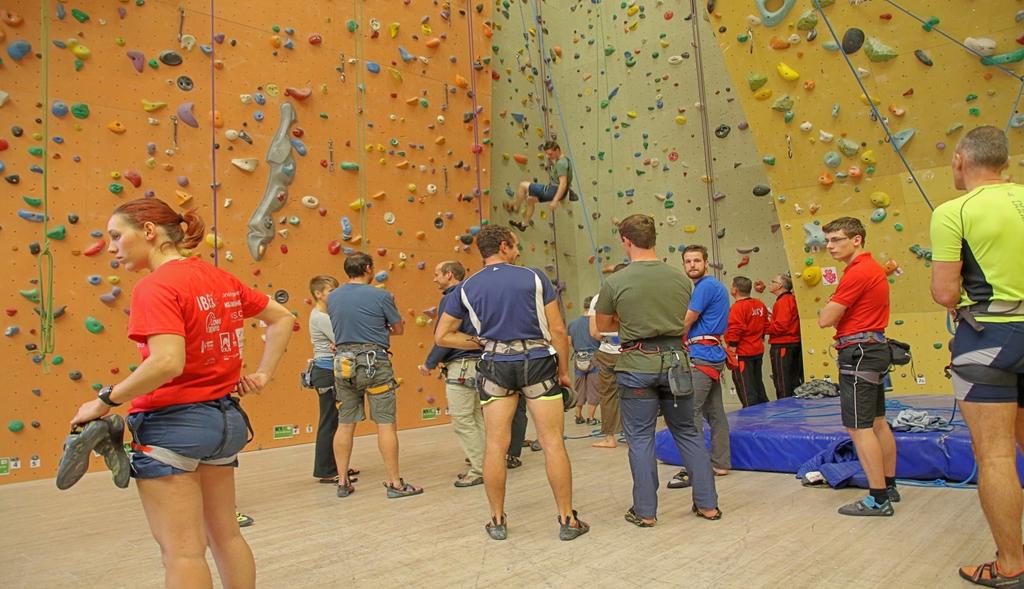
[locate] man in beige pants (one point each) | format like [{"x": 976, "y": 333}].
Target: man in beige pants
[
  {"x": 459, "y": 373},
  {"x": 606, "y": 357}
]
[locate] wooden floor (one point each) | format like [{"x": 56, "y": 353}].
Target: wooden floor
[{"x": 775, "y": 533}]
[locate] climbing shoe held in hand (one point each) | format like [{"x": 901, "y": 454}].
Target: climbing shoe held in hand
[{"x": 103, "y": 435}]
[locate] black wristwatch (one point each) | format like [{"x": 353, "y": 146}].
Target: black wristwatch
[{"x": 105, "y": 396}]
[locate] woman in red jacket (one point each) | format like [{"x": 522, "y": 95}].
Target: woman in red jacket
[
  {"x": 784, "y": 336},
  {"x": 187, "y": 318}
]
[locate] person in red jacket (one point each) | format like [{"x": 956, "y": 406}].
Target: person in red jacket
[
  {"x": 783, "y": 332},
  {"x": 748, "y": 319}
]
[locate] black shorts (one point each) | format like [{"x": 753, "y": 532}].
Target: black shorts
[
  {"x": 517, "y": 374},
  {"x": 993, "y": 355},
  {"x": 860, "y": 399}
]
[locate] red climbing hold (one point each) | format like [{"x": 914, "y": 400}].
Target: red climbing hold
[
  {"x": 284, "y": 249},
  {"x": 520, "y": 158},
  {"x": 298, "y": 93},
  {"x": 322, "y": 211},
  {"x": 382, "y": 251},
  {"x": 298, "y": 132},
  {"x": 477, "y": 148},
  {"x": 95, "y": 248},
  {"x": 334, "y": 248},
  {"x": 743, "y": 261},
  {"x": 3, "y": 144},
  {"x": 315, "y": 39},
  {"x": 885, "y": 16},
  {"x": 669, "y": 15},
  {"x": 134, "y": 177},
  {"x": 323, "y": 163},
  {"x": 909, "y": 92},
  {"x": 11, "y": 312}
]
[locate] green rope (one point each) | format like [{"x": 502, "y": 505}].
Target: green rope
[{"x": 45, "y": 257}]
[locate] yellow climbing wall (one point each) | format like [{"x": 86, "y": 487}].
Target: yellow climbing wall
[
  {"x": 384, "y": 137},
  {"x": 625, "y": 98},
  {"x": 832, "y": 158}
]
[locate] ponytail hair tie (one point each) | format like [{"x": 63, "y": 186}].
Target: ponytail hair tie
[{"x": 181, "y": 219}]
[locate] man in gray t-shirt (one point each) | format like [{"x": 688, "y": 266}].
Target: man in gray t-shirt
[
  {"x": 552, "y": 193},
  {"x": 364, "y": 318}
]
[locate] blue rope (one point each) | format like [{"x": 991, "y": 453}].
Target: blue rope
[
  {"x": 568, "y": 147},
  {"x": 943, "y": 33},
  {"x": 871, "y": 103}
]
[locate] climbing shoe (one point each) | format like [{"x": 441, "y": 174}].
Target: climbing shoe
[
  {"x": 345, "y": 489},
  {"x": 681, "y": 480},
  {"x": 580, "y": 420},
  {"x": 74, "y": 462},
  {"x": 988, "y": 575},
  {"x": 894, "y": 494},
  {"x": 244, "y": 521},
  {"x": 867, "y": 507},
  {"x": 403, "y": 490},
  {"x": 568, "y": 531},
  {"x": 112, "y": 451},
  {"x": 497, "y": 530},
  {"x": 518, "y": 225}
]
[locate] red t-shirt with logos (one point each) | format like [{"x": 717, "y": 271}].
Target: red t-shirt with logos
[
  {"x": 205, "y": 305},
  {"x": 864, "y": 291},
  {"x": 748, "y": 319}
]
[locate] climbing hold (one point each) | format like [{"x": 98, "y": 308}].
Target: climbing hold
[
  {"x": 832, "y": 159},
  {"x": 80, "y": 110},
  {"x": 770, "y": 18},
  {"x": 847, "y": 147},
  {"x": 868, "y": 157},
  {"x": 59, "y": 109},
  {"x": 117, "y": 127},
  {"x": 373, "y": 67},
  {"x": 783, "y": 104},
  {"x": 722, "y": 131},
  {"x": 186, "y": 115},
  {"x": 901, "y": 138},
  {"x": 787, "y": 72},
  {"x": 185, "y": 83},
  {"x": 310, "y": 202},
  {"x": 170, "y": 58},
  {"x": 756, "y": 80},
  {"x": 19, "y": 49},
  {"x": 1004, "y": 58},
  {"x": 853, "y": 40},
  {"x": 878, "y": 215},
  {"x": 138, "y": 60},
  {"x": 762, "y": 190},
  {"x": 923, "y": 57},
  {"x": 15, "y": 425},
  {"x": 880, "y": 200},
  {"x": 93, "y": 325},
  {"x": 878, "y": 51},
  {"x": 981, "y": 45},
  {"x": 811, "y": 275},
  {"x": 247, "y": 164},
  {"x": 807, "y": 21},
  {"x": 150, "y": 106}
]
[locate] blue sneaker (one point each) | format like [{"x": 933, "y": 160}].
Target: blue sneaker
[{"x": 868, "y": 507}]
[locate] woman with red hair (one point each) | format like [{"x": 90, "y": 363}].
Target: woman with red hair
[{"x": 187, "y": 318}]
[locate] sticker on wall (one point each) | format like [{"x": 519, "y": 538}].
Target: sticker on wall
[
  {"x": 284, "y": 432},
  {"x": 5, "y": 466},
  {"x": 35, "y": 462},
  {"x": 430, "y": 413},
  {"x": 829, "y": 276}
]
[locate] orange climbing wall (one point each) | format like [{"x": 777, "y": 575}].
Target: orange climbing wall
[
  {"x": 634, "y": 126},
  {"x": 407, "y": 127},
  {"x": 956, "y": 91}
]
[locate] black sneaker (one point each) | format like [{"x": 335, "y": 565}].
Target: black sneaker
[
  {"x": 681, "y": 480},
  {"x": 894, "y": 494},
  {"x": 868, "y": 507},
  {"x": 74, "y": 462},
  {"x": 580, "y": 420},
  {"x": 512, "y": 462},
  {"x": 569, "y": 532},
  {"x": 244, "y": 521}
]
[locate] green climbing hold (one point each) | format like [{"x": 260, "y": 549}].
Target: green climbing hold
[
  {"x": 154, "y": 64},
  {"x": 604, "y": 103},
  {"x": 669, "y": 204},
  {"x": 930, "y": 24},
  {"x": 974, "y": 111},
  {"x": 808, "y": 261},
  {"x": 93, "y": 325},
  {"x": 954, "y": 128},
  {"x": 32, "y": 201},
  {"x": 937, "y": 345},
  {"x": 80, "y": 110},
  {"x": 609, "y": 49},
  {"x": 115, "y": 188},
  {"x": 349, "y": 166},
  {"x": 351, "y": 25},
  {"x": 807, "y": 21},
  {"x": 743, "y": 38},
  {"x": 878, "y": 51},
  {"x": 31, "y": 294},
  {"x": 769, "y": 160},
  {"x": 132, "y": 367},
  {"x": 15, "y": 425},
  {"x": 58, "y": 232},
  {"x": 1004, "y": 58},
  {"x": 57, "y": 360},
  {"x": 424, "y": 103},
  {"x": 898, "y": 227},
  {"x": 323, "y": 115},
  {"x": 783, "y": 103},
  {"x": 79, "y": 64},
  {"x": 79, "y": 15},
  {"x": 36, "y": 151},
  {"x": 97, "y": 386},
  {"x": 788, "y": 116},
  {"x": 849, "y": 148},
  {"x": 755, "y": 80},
  {"x": 971, "y": 97},
  {"x": 898, "y": 322},
  {"x": 275, "y": 28}
]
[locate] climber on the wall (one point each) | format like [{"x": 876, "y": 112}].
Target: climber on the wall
[{"x": 553, "y": 193}]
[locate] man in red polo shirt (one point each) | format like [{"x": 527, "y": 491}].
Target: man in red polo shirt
[
  {"x": 859, "y": 310},
  {"x": 748, "y": 318},
  {"x": 784, "y": 336}
]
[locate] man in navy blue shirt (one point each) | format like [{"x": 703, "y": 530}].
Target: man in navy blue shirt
[
  {"x": 525, "y": 351},
  {"x": 459, "y": 371},
  {"x": 364, "y": 318},
  {"x": 707, "y": 318}
]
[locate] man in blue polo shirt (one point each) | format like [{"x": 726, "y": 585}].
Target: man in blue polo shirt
[
  {"x": 525, "y": 351},
  {"x": 707, "y": 318}
]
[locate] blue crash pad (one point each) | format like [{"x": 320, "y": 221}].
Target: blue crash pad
[{"x": 780, "y": 436}]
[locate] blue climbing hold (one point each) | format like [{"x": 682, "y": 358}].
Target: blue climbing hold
[
  {"x": 206, "y": 49},
  {"x": 373, "y": 67},
  {"x": 60, "y": 44},
  {"x": 19, "y": 49},
  {"x": 901, "y": 138},
  {"x": 94, "y": 279},
  {"x": 31, "y": 216},
  {"x": 289, "y": 44},
  {"x": 258, "y": 115},
  {"x": 771, "y": 18},
  {"x": 299, "y": 146},
  {"x": 381, "y": 276},
  {"x": 58, "y": 140},
  {"x": 62, "y": 12},
  {"x": 259, "y": 98},
  {"x": 406, "y": 56},
  {"x": 59, "y": 109},
  {"x": 288, "y": 169}
]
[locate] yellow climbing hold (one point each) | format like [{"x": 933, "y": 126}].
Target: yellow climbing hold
[
  {"x": 393, "y": 29},
  {"x": 357, "y": 204},
  {"x": 680, "y": 119},
  {"x": 81, "y": 51},
  {"x": 811, "y": 275},
  {"x": 864, "y": 99},
  {"x": 690, "y": 229},
  {"x": 214, "y": 241},
  {"x": 152, "y": 106},
  {"x": 880, "y": 200},
  {"x": 763, "y": 94},
  {"x": 868, "y": 157},
  {"x": 631, "y": 114},
  {"x": 787, "y": 72},
  {"x": 632, "y": 10}
]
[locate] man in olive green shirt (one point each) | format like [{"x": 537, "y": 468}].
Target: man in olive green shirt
[
  {"x": 646, "y": 303},
  {"x": 553, "y": 193}
]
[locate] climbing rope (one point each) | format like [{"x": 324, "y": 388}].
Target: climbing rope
[
  {"x": 705, "y": 129},
  {"x": 1015, "y": 109},
  {"x": 572, "y": 158},
  {"x": 874, "y": 109},
  {"x": 478, "y": 194},
  {"x": 360, "y": 108},
  {"x": 45, "y": 257},
  {"x": 542, "y": 66},
  {"x": 214, "y": 185}
]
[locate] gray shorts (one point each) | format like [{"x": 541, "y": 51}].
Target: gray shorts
[{"x": 375, "y": 383}]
